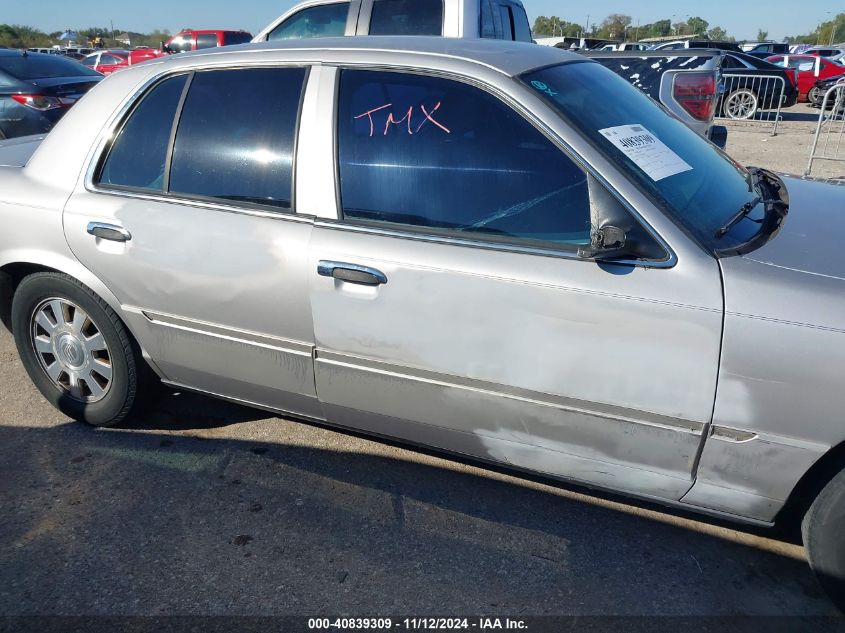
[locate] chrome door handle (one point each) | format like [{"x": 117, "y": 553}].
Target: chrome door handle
[
  {"x": 109, "y": 232},
  {"x": 353, "y": 273}
]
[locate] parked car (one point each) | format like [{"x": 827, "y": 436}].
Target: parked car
[
  {"x": 810, "y": 69},
  {"x": 817, "y": 93},
  {"x": 194, "y": 40},
  {"x": 685, "y": 82},
  {"x": 753, "y": 84},
  {"x": 45, "y": 51},
  {"x": 491, "y": 19},
  {"x": 77, "y": 50},
  {"x": 835, "y": 54},
  {"x": 753, "y": 48},
  {"x": 572, "y": 43},
  {"x": 106, "y": 61},
  {"x": 109, "y": 61},
  {"x": 492, "y": 248},
  {"x": 624, "y": 46},
  {"x": 682, "y": 44},
  {"x": 36, "y": 90}
]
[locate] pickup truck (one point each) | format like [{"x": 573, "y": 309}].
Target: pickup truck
[
  {"x": 489, "y": 19},
  {"x": 686, "y": 82}
]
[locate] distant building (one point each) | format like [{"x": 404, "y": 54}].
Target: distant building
[{"x": 124, "y": 38}]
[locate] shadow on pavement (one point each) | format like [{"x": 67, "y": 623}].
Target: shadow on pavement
[{"x": 139, "y": 522}]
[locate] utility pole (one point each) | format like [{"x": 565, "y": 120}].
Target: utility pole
[{"x": 587, "y": 28}]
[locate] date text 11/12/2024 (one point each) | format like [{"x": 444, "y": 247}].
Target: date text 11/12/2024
[{"x": 419, "y": 624}]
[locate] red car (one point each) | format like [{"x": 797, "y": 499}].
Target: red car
[
  {"x": 108, "y": 61},
  {"x": 193, "y": 40},
  {"x": 810, "y": 68}
]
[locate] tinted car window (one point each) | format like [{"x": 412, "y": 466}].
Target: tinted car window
[
  {"x": 703, "y": 187},
  {"x": 38, "y": 66},
  {"x": 139, "y": 152},
  {"x": 437, "y": 154},
  {"x": 488, "y": 28},
  {"x": 507, "y": 22},
  {"x": 206, "y": 40},
  {"x": 181, "y": 44},
  {"x": 407, "y": 17},
  {"x": 111, "y": 59},
  {"x": 521, "y": 28},
  {"x": 236, "y": 136},
  {"x": 230, "y": 39},
  {"x": 326, "y": 20}
]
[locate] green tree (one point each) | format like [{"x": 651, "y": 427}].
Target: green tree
[
  {"x": 661, "y": 28},
  {"x": 697, "y": 26},
  {"x": 614, "y": 26},
  {"x": 717, "y": 34},
  {"x": 762, "y": 35},
  {"x": 555, "y": 26}
]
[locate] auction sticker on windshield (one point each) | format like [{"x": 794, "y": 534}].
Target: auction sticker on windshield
[{"x": 646, "y": 150}]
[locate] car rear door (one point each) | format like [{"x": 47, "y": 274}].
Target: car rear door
[
  {"x": 192, "y": 227},
  {"x": 450, "y": 307}
]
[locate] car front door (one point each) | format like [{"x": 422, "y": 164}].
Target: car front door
[
  {"x": 451, "y": 308},
  {"x": 201, "y": 245}
]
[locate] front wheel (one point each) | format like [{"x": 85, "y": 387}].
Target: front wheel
[
  {"x": 740, "y": 104},
  {"x": 75, "y": 349},
  {"x": 814, "y": 96},
  {"x": 824, "y": 538}
]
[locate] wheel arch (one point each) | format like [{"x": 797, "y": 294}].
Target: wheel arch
[
  {"x": 19, "y": 265},
  {"x": 811, "y": 484}
]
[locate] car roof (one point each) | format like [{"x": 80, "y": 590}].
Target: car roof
[{"x": 510, "y": 58}]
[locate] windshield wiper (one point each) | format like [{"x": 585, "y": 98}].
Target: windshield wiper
[
  {"x": 755, "y": 177},
  {"x": 743, "y": 211}
]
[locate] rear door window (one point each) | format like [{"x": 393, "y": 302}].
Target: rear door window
[
  {"x": 233, "y": 38},
  {"x": 488, "y": 27},
  {"x": 236, "y": 136},
  {"x": 521, "y": 28},
  {"x": 110, "y": 60},
  {"x": 206, "y": 40},
  {"x": 436, "y": 155},
  {"x": 324, "y": 20},
  {"x": 507, "y": 22},
  {"x": 139, "y": 153},
  {"x": 407, "y": 17}
]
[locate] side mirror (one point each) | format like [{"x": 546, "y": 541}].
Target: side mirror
[{"x": 608, "y": 242}]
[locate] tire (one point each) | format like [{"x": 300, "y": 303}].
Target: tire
[
  {"x": 83, "y": 361},
  {"x": 814, "y": 96},
  {"x": 823, "y": 531},
  {"x": 740, "y": 105}
]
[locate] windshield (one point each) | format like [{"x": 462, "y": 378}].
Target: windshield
[
  {"x": 38, "y": 66},
  {"x": 693, "y": 181}
]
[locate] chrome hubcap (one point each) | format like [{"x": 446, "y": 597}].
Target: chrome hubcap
[
  {"x": 742, "y": 105},
  {"x": 71, "y": 350}
]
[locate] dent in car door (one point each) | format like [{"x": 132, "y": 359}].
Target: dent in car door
[
  {"x": 464, "y": 338},
  {"x": 212, "y": 278}
]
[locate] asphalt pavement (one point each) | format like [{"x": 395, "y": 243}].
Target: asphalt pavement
[{"x": 208, "y": 508}]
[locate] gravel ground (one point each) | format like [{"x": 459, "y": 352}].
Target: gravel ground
[
  {"x": 789, "y": 151},
  {"x": 209, "y": 508}
]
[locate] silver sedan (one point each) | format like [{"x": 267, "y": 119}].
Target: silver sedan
[{"x": 496, "y": 249}]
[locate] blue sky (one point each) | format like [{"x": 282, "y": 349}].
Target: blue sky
[{"x": 741, "y": 18}]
